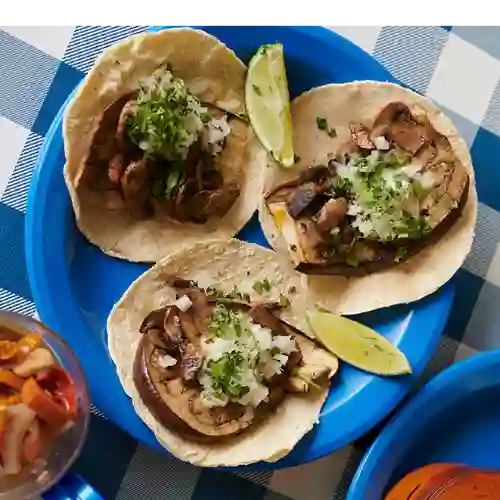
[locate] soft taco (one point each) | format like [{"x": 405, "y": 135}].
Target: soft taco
[
  {"x": 158, "y": 152},
  {"x": 382, "y": 207},
  {"x": 219, "y": 359}
]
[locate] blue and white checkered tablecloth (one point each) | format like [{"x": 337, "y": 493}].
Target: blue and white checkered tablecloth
[{"x": 458, "y": 67}]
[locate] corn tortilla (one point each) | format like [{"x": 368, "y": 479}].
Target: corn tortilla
[
  {"x": 214, "y": 74},
  {"x": 208, "y": 263},
  {"x": 421, "y": 275}
]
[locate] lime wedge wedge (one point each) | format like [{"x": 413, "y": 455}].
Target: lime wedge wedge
[
  {"x": 268, "y": 102},
  {"x": 358, "y": 345}
]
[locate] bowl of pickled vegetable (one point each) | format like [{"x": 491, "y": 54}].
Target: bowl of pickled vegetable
[{"x": 44, "y": 407}]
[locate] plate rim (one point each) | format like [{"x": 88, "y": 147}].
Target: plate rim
[
  {"x": 38, "y": 279},
  {"x": 445, "y": 381}
]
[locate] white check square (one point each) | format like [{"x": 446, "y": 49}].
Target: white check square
[
  {"x": 363, "y": 36},
  {"x": 53, "y": 40},
  {"x": 464, "y": 79},
  {"x": 13, "y": 138}
]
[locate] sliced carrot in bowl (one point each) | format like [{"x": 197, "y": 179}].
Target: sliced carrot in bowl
[
  {"x": 43, "y": 404},
  {"x": 11, "y": 380}
]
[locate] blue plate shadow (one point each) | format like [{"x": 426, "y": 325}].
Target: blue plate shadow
[
  {"x": 75, "y": 285},
  {"x": 454, "y": 418}
]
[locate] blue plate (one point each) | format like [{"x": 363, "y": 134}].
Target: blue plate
[
  {"x": 454, "y": 418},
  {"x": 75, "y": 284}
]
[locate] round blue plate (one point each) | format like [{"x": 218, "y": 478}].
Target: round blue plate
[
  {"x": 75, "y": 285},
  {"x": 454, "y": 418}
]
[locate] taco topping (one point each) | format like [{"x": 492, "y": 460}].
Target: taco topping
[
  {"x": 222, "y": 365},
  {"x": 392, "y": 189},
  {"x": 159, "y": 148}
]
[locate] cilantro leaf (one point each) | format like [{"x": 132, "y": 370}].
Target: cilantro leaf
[{"x": 322, "y": 123}]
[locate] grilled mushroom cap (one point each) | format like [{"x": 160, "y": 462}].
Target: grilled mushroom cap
[
  {"x": 177, "y": 407},
  {"x": 310, "y": 233},
  {"x": 170, "y": 389}
]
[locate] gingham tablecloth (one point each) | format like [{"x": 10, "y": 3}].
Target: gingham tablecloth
[{"x": 458, "y": 67}]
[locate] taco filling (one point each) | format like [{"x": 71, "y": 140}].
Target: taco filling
[
  {"x": 392, "y": 189},
  {"x": 210, "y": 367},
  {"x": 155, "y": 152}
]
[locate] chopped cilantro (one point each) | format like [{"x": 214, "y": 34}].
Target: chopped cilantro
[
  {"x": 256, "y": 89},
  {"x": 332, "y": 133},
  {"x": 339, "y": 186},
  {"x": 400, "y": 254},
  {"x": 224, "y": 322},
  {"x": 307, "y": 378},
  {"x": 352, "y": 260},
  {"x": 174, "y": 180},
  {"x": 234, "y": 294},
  {"x": 322, "y": 123},
  {"x": 411, "y": 227},
  {"x": 158, "y": 125},
  {"x": 284, "y": 300},
  {"x": 330, "y": 252},
  {"x": 296, "y": 158},
  {"x": 292, "y": 289},
  {"x": 323, "y": 309},
  {"x": 224, "y": 375},
  {"x": 205, "y": 117},
  {"x": 261, "y": 286},
  {"x": 418, "y": 189}
]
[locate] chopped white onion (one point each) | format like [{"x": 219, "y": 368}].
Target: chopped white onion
[
  {"x": 183, "y": 303},
  {"x": 381, "y": 143},
  {"x": 167, "y": 361}
]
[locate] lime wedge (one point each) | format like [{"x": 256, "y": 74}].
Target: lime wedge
[
  {"x": 358, "y": 345},
  {"x": 268, "y": 102}
]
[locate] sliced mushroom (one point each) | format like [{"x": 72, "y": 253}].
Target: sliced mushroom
[
  {"x": 128, "y": 110},
  {"x": 331, "y": 215},
  {"x": 316, "y": 174},
  {"x": 311, "y": 241},
  {"x": 222, "y": 199},
  {"x": 361, "y": 136},
  {"x": 154, "y": 320},
  {"x": 104, "y": 148},
  {"x": 263, "y": 317},
  {"x": 136, "y": 187},
  {"x": 178, "y": 408},
  {"x": 188, "y": 326},
  {"x": 385, "y": 118},
  {"x": 172, "y": 328},
  {"x": 116, "y": 168},
  {"x": 184, "y": 208},
  {"x": 317, "y": 363},
  {"x": 191, "y": 362},
  {"x": 174, "y": 397},
  {"x": 201, "y": 310},
  {"x": 214, "y": 203},
  {"x": 302, "y": 197},
  {"x": 396, "y": 122},
  {"x": 177, "y": 282}
]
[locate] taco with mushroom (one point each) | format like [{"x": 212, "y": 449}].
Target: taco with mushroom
[
  {"x": 158, "y": 152},
  {"x": 223, "y": 367},
  {"x": 383, "y": 208}
]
